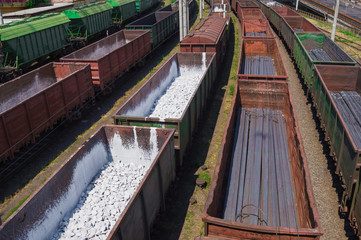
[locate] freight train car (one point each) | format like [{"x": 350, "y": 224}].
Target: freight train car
[
  {"x": 122, "y": 10},
  {"x": 161, "y": 24},
  {"x": 338, "y": 105},
  {"x": 30, "y": 40},
  {"x": 109, "y": 58},
  {"x": 215, "y": 39},
  {"x": 102, "y": 189},
  {"x": 261, "y": 59},
  {"x": 34, "y": 102},
  {"x": 316, "y": 48},
  {"x": 250, "y": 14},
  {"x": 174, "y": 97},
  {"x": 323, "y": 64},
  {"x": 265, "y": 6},
  {"x": 259, "y": 206},
  {"x": 260, "y": 28},
  {"x": 113, "y": 55},
  {"x": 88, "y": 20},
  {"x": 277, "y": 14},
  {"x": 35, "y": 39},
  {"x": 290, "y": 25}
]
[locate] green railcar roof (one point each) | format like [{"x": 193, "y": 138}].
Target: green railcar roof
[
  {"x": 118, "y": 3},
  {"x": 87, "y": 10},
  {"x": 29, "y": 25}
]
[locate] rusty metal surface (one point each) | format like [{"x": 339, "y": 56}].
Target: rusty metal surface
[
  {"x": 250, "y": 14},
  {"x": 256, "y": 29},
  {"x": 276, "y": 96},
  {"x": 260, "y": 188},
  {"x": 246, "y": 4},
  {"x": 261, "y": 51},
  {"x": 33, "y": 102},
  {"x": 277, "y": 14},
  {"x": 113, "y": 55},
  {"x": 155, "y": 183},
  {"x": 210, "y": 35}
]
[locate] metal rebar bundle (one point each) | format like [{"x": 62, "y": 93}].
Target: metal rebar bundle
[
  {"x": 319, "y": 55},
  {"x": 260, "y": 190},
  {"x": 298, "y": 30},
  {"x": 255, "y": 34},
  {"x": 258, "y": 65},
  {"x": 348, "y": 104}
]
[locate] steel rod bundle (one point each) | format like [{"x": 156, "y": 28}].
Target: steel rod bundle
[
  {"x": 319, "y": 55},
  {"x": 349, "y": 105},
  {"x": 260, "y": 190},
  {"x": 298, "y": 30},
  {"x": 255, "y": 34},
  {"x": 258, "y": 65}
]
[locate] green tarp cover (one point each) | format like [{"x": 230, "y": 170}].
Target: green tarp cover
[
  {"x": 117, "y": 3},
  {"x": 314, "y": 37},
  {"x": 29, "y": 25},
  {"x": 87, "y": 10}
]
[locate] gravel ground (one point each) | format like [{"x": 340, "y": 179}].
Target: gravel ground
[{"x": 319, "y": 163}]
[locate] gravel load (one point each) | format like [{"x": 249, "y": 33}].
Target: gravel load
[
  {"x": 171, "y": 97},
  {"x": 222, "y": 8},
  {"x": 103, "y": 184},
  {"x": 175, "y": 99}
]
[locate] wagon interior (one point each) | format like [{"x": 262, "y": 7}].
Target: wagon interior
[
  {"x": 257, "y": 28},
  {"x": 345, "y": 95},
  {"x": 247, "y": 4},
  {"x": 252, "y": 14},
  {"x": 140, "y": 104},
  {"x": 150, "y": 19},
  {"x": 285, "y": 11},
  {"x": 24, "y": 87},
  {"x": 261, "y": 52},
  {"x": 275, "y": 96},
  {"x": 321, "y": 48},
  {"x": 300, "y": 24},
  {"x": 102, "y": 48},
  {"x": 60, "y": 195}
]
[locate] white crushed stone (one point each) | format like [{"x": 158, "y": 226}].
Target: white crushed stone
[
  {"x": 99, "y": 204},
  {"x": 221, "y": 9},
  {"x": 107, "y": 195},
  {"x": 172, "y": 103},
  {"x": 171, "y": 97}
]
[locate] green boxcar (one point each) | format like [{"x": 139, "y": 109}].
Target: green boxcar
[
  {"x": 144, "y": 5},
  {"x": 161, "y": 24},
  {"x": 26, "y": 40},
  {"x": 309, "y": 41},
  {"x": 123, "y": 10},
  {"x": 328, "y": 78},
  {"x": 132, "y": 112},
  {"x": 172, "y": 8},
  {"x": 88, "y": 20}
]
